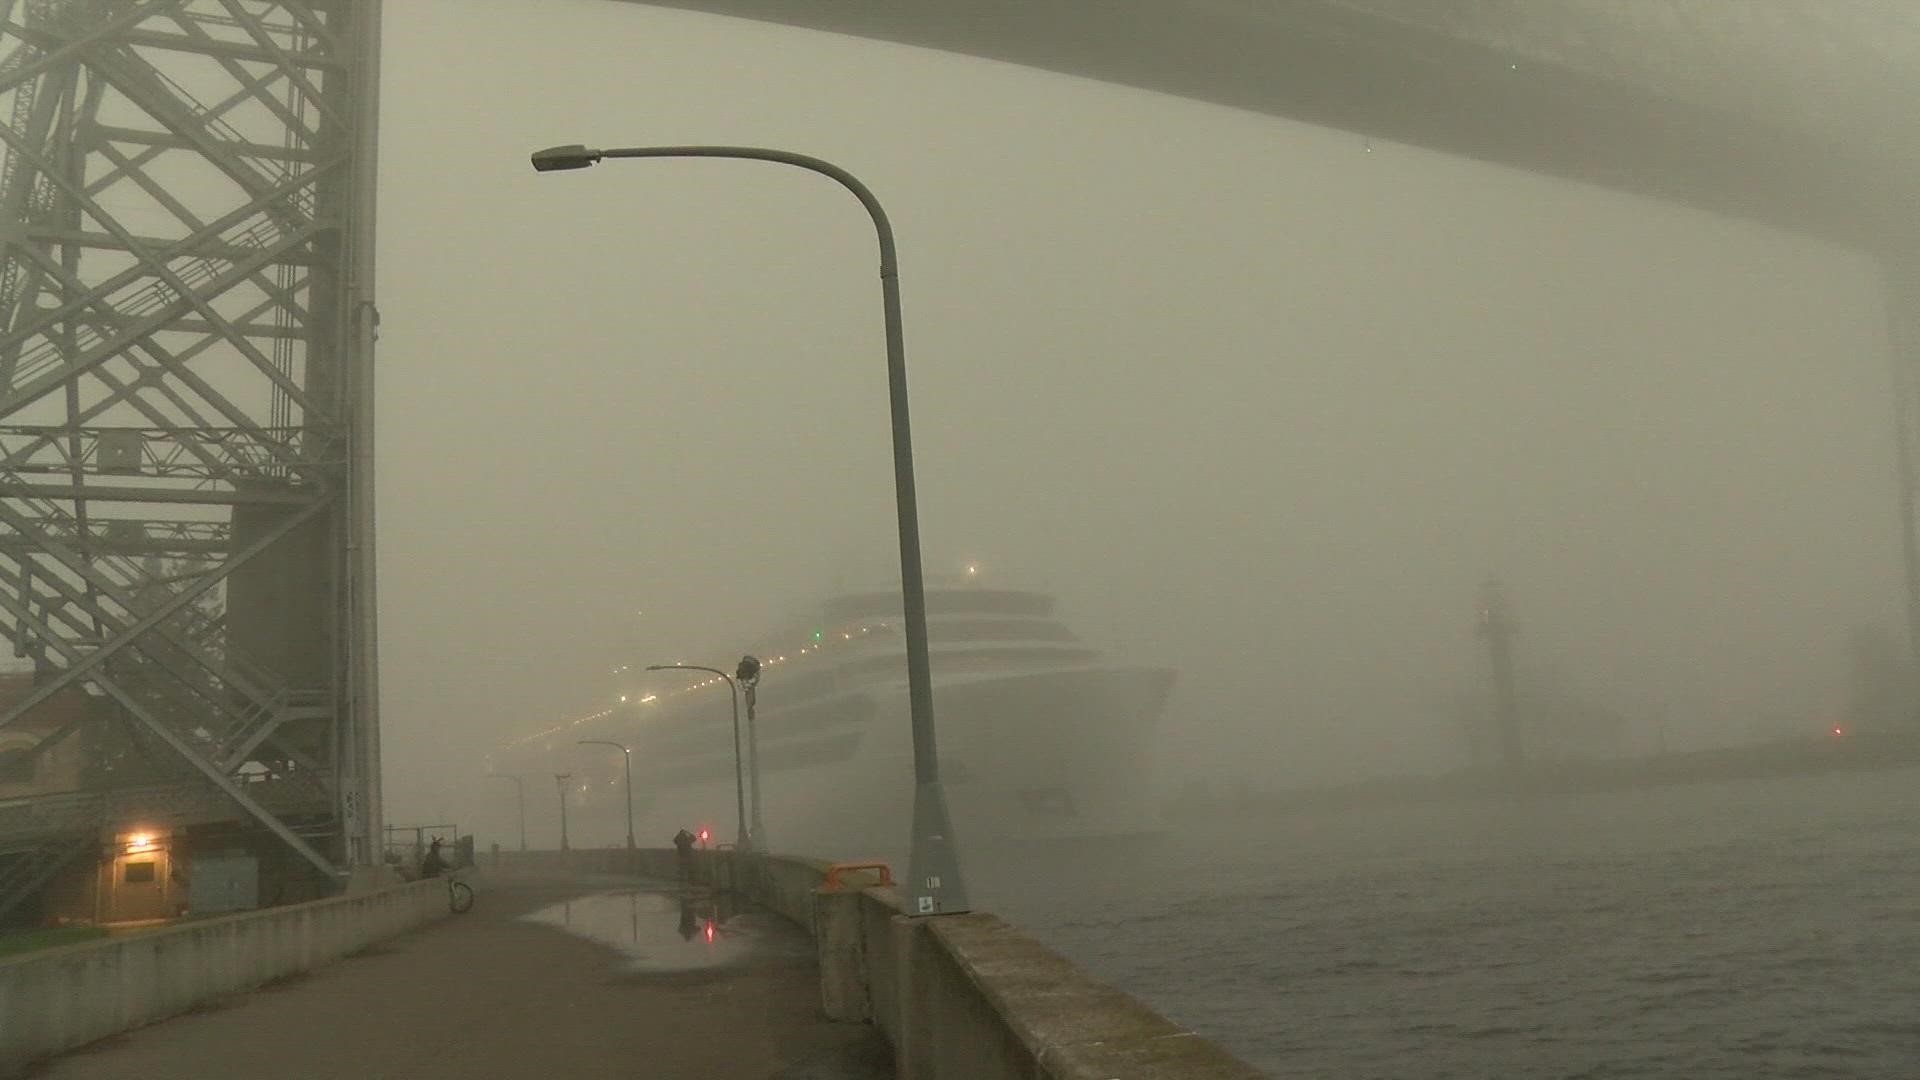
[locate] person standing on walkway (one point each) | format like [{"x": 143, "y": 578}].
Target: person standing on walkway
[
  {"x": 433, "y": 865},
  {"x": 683, "y": 843}
]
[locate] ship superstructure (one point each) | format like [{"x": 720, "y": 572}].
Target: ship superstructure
[{"x": 1039, "y": 735}]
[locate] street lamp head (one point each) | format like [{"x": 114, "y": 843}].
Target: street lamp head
[
  {"x": 662, "y": 667},
  {"x": 562, "y": 158}
]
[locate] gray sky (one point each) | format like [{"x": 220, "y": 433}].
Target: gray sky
[{"x": 1254, "y": 400}]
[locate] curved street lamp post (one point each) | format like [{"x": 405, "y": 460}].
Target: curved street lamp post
[
  {"x": 933, "y": 883},
  {"x": 743, "y": 839},
  {"x": 521, "y": 788}
]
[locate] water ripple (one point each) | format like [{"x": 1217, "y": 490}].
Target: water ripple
[{"x": 1726, "y": 932}]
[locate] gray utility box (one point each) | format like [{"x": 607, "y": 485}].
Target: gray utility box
[{"x": 223, "y": 883}]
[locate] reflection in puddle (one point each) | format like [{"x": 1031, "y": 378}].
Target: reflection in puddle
[{"x": 666, "y": 932}]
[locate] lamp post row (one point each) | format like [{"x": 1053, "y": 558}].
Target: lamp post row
[{"x": 750, "y": 837}]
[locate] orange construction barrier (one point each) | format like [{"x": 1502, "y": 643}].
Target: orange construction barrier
[{"x": 834, "y": 871}]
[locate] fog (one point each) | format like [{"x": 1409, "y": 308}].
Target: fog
[{"x": 1260, "y": 401}]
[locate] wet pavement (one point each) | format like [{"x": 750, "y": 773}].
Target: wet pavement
[
  {"x": 563, "y": 979},
  {"x": 678, "y": 930}
]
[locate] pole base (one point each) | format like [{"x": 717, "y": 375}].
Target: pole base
[{"x": 934, "y": 885}]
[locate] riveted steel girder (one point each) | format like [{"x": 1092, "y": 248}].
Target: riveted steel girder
[{"x": 186, "y": 339}]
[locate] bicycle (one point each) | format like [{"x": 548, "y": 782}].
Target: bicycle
[{"x": 459, "y": 895}]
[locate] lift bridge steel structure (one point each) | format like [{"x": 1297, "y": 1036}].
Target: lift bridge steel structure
[
  {"x": 186, "y": 339},
  {"x": 187, "y": 310}
]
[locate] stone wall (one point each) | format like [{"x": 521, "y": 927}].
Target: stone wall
[{"x": 59, "y": 999}]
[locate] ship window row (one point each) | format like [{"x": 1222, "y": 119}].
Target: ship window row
[
  {"x": 941, "y": 628},
  {"x": 978, "y": 661},
  {"x": 942, "y": 602},
  {"x": 706, "y": 768},
  {"x": 946, "y": 631},
  {"x": 856, "y": 710},
  {"x": 998, "y": 630}
]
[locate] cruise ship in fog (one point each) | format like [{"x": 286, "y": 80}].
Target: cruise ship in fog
[{"x": 1040, "y": 737}]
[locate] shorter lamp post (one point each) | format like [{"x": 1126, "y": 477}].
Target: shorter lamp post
[
  {"x": 521, "y": 792},
  {"x": 626, "y": 756},
  {"x": 560, "y": 785}
]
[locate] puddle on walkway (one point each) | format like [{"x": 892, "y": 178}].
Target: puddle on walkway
[{"x": 663, "y": 932}]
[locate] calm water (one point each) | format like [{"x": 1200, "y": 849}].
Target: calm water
[{"x": 1751, "y": 929}]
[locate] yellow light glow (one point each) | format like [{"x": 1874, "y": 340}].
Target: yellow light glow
[{"x": 140, "y": 842}]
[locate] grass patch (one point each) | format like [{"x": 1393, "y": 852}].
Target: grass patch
[{"x": 15, "y": 942}]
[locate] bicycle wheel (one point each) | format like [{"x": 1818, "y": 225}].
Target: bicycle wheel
[{"x": 459, "y": 897}]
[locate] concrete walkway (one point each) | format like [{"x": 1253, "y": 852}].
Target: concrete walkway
[{"x": 542, "y": 979}]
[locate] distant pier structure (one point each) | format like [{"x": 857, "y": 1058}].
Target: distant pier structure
[{"x": 1494, "y": 625}]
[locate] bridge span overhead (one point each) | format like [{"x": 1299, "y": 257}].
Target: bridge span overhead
[{"x": 1791, "y": 113}]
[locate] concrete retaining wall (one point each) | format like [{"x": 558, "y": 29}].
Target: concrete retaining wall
[
  {"x": 959, "y": 997},
  {"x": 63, "y": 998},
  {"x": 991, "y": 1001}
]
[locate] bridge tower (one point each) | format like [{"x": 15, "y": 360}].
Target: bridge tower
[{"x": 187, "y": 325}]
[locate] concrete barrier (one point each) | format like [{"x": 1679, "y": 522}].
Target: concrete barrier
[
  {"x": 63, "y": 998},
  {"x": 879, "y": 907},
  {"x": 959, "y": 997}
]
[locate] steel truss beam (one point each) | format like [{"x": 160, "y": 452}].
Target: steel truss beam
[{"x": 186, "y": 339}]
